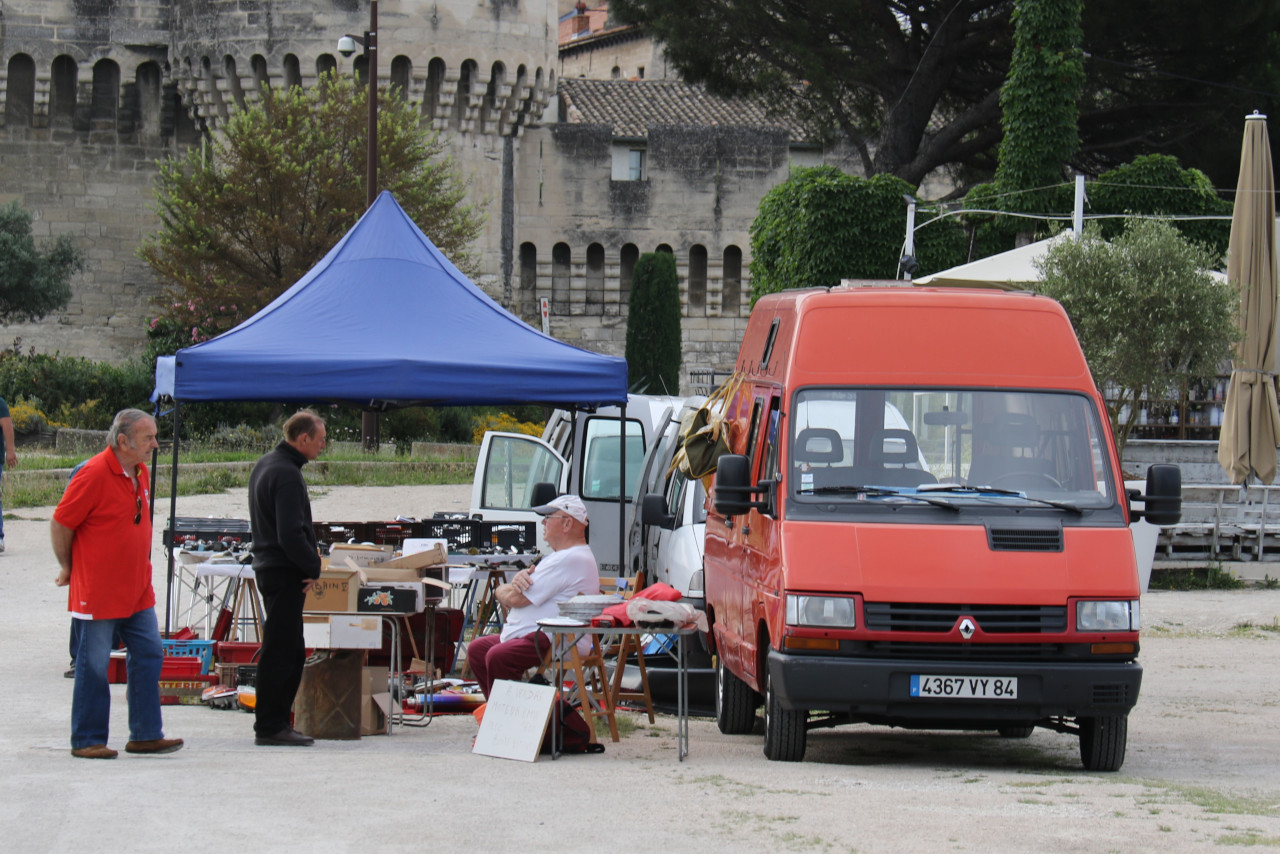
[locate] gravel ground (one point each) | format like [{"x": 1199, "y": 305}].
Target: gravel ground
[{"x": 1201, "y": 771}]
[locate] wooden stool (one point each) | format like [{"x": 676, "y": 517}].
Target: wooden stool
[
  {"x": 595, "y": 694},
  {"x": 630, "y": 643}
]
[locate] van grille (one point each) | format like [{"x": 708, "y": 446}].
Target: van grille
[
  {"x": 993, "y": 619},
  {"x": 1025, "y": 539},
  {"x": 965, "y": 651}
]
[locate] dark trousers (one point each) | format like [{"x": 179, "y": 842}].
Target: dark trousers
[
  {"x": 283, "y": 652},
  {"x": 491, "y": 659}
]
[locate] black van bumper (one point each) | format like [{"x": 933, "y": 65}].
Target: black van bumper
[{"x": 879, "y": 690}]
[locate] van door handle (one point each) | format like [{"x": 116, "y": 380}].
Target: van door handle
[{"x": 728, "y": 522}]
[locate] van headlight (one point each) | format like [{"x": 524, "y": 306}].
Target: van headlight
[
  {"x": 1121, "y": 616},
  {"x": 826, "y": 611}
]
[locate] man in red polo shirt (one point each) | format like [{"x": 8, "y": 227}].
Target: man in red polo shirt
[{"x": 101, "y": 534}]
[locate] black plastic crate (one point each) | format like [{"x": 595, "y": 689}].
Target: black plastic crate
[
  {"x": 462, "y": 534},
  {"x": 192, "y": 530},
  {"x": 509, "y": 535}
]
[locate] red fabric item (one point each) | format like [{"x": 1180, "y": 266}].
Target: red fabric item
[{"x": 658, "y": 591}]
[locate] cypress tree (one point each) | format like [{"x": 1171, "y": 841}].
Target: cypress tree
[{"x": 653, "y": 325}]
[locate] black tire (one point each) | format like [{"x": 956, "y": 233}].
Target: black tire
[
  {"x": 784, "y": 729},
  {"x": 1015, "y": 731},
  {"x": 1102, "y": 742},
  {"x": 735, "y": 702}
]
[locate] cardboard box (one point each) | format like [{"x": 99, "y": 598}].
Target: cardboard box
[
  {"x": 362, "y": 555},
  {"x": 395, "y": 597},
  {"x": 341, "y": 631},
  {"x": 431, "y": 556},
  {"x": 335, "y": 591},
  {"x": 375, "y": 701}
]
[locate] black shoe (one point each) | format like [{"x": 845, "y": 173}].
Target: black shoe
[
  {"x": 70, "y": 674},
  {"x": 287, "y": 737}
]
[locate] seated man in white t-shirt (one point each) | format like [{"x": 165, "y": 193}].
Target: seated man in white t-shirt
[{"x": 536, "y": 593}]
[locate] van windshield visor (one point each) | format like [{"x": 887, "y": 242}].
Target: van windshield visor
[{"x": 953, "y": 446}]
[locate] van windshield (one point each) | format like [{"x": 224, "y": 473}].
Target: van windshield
[{"x": 949, "y": 445}]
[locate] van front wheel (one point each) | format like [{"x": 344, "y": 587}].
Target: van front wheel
[
  {"x": 735, "y": 702},
  {"x": 1102, "y": 742},
  {"x": 784, "y": 729}
]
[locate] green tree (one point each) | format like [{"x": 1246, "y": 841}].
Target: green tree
[
  {"x": 653, "y": 325},
  {"x": 1156, "y": 185},
  {"x": 33, "y": 281},
  {"x": 821, "y": 225},
  {"x": 1150, "y": 317},
  {"x": 279, "y": 187},
  {"x": 1038, "y": 104},
  {"x": 913, "y": 87}
]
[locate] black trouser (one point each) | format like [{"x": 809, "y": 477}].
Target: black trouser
[{"x": 283, "y": 650}]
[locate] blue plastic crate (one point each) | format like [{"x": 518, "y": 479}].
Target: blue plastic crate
[{"x": 202, "y": 649}]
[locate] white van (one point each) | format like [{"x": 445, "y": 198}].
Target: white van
[{"x": 578, "y": 453}]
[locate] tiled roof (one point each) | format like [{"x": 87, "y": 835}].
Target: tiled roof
[{"x": 632, "y": 106}]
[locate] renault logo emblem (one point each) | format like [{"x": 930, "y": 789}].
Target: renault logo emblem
[{"x": 967, "y": 628}]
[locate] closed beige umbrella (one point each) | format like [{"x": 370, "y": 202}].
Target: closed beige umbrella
[{"x": 1251, "y": 420}]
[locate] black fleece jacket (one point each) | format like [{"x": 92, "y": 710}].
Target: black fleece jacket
[{"x": 284, "y": 540}]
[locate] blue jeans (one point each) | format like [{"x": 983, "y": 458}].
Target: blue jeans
[{"x": 91, "y": 698}]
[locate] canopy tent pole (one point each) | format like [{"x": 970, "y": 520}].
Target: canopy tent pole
[
  {"x": 173, "y": 516},
  {"x": 622, "y": 494}
]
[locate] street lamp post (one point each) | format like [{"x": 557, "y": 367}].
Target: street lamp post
[{"x": 346, "y": 47}]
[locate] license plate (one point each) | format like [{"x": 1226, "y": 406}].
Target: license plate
[{"x": 965, "y": 687}]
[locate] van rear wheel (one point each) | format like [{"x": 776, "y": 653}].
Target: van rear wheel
[
  {"x": 784, "y": 729},
  {"x": 1102, "y": 742},
  {"x": 735, "y": 702}
]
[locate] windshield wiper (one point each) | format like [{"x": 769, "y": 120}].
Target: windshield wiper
[
  {"x": 979, "y": 491},
  {"x": 879, "y": 490}
]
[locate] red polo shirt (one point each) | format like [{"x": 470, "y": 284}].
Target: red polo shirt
[{"x": 110, "y": 555}]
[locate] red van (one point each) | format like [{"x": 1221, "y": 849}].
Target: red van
[{"x": 923, "y": 524}]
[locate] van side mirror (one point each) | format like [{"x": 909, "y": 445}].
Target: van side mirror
[
  {"x": 653, "y": 511},
  {"x": 542, "y": 493},
  {"x": 734, "y": 494},
  {"x": 1163, "y": 500}
]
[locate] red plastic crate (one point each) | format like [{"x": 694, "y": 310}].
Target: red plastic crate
[
  {"x": 236, "y": 652},
  {"x": 116, "y": 673}
]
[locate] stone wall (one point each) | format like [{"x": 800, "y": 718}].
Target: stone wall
[{"x": 118, "y": 83}]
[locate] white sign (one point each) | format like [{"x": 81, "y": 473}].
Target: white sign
[
  {"x": 514, "y": 720},
  {"x": 545, "y": 306}
]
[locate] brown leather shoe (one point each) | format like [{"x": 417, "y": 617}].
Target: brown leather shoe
[
  {"x": 155, "y": 745},
  {"x": 94, "y": 751}
]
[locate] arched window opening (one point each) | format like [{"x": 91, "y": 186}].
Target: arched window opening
[
  {"x": 105, "y": 105},
  {"x": 401, "y": 74},
  {"x": 20, "y": 100},
  {"x": 62, "y": 91},
  {"x": 626, "y": 266},
  {"x": 148, "y": 80},
  {"x": 561, "y": 260},
  {"x": 697, "y": 280},
  {"x": 731, "y": 295},
  {"x": 595, "y": 279}
]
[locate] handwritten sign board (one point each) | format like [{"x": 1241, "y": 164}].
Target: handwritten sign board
[{"x": 514, "y": 720}]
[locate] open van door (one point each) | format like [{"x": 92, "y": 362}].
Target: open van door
[{"x": 508, "y": 467}]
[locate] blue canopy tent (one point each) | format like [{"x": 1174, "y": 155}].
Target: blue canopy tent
[{"x": 384, "y": 320}]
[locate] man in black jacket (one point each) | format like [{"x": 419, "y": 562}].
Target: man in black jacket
[{"x": 287, "y": 564}]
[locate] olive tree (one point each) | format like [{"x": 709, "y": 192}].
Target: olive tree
[
  {"x": 1149, "y": 315},
  {"x": 33, "y": 280},
  {"x": 279, "y": 186}
]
